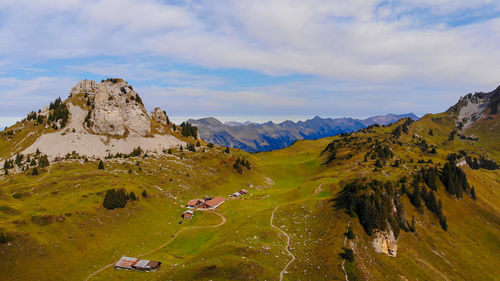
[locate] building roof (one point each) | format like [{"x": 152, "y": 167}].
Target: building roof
[
  {"x": 193, "y": 202},
  {"x": 216, "y": 201},
  {"x": 243, "y": 191},
  {"x": 142, "y": 264},
  {"x": 188, "y": 212},
  {"x": 126, "y": 262},
  {"x": 154, "y": 264},
  {"x": 236, "y": 194}
]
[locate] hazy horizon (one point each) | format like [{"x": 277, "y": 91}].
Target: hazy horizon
[{"x": 253, "y": 58}]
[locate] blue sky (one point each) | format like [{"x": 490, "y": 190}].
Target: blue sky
[{"x": 252, "y": 60}]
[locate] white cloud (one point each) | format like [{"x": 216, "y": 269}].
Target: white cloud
[{"x": 341, "y": 39}]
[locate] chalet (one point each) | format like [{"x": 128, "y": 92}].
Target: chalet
[
  {"x": 137, "y": 264},
  {"x": 147, "y": 265},
  {"x": 194, "y": 203},
  {"x": 213, "y": 203},
  {"x": 187, "y": 215},
  {"x": 235, "y": 195},
  {"x": 243, "y": 191},
  {"x": 125, "y": 263}
]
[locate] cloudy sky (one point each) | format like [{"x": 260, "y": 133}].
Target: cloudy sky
[{"x": 253, "y": 60}]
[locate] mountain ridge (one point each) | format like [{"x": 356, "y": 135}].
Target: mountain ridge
[{"x": 256, "y": 137}]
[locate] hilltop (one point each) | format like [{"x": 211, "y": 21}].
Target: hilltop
[
  {"x": 405, "y": 201},
  {"x": 96, "y": 120},
  {"x": 254, "y": 137}
]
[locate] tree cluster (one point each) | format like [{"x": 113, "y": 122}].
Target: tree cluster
[
  {"x": 239, "y": 164},
  {"x": 59, "y": 111},
  {"x": 188, "y": 130},
  {"x": 454, "y": 179},
  {"x": 117, "y": 198},
  {"x": 403, "y": 128},
  {"x": 371, "y": 202},
  {"x": 481, "y": 163}
]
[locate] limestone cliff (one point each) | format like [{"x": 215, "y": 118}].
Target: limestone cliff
[{"x": 118, "y": 110}]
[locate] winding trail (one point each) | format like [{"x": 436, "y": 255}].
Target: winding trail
[
  {"x": 345, "y": 244},
  {"x": 223, "y": 221},
  {"x": 287, "y": 248}
]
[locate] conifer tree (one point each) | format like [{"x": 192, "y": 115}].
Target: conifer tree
[
  {"x": 144, "y": 194},
  {"x": 35, "y": 172},
  {"x": 101, "y": 165}
]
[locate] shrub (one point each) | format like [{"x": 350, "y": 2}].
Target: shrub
[{"x": 348, "y": 254}]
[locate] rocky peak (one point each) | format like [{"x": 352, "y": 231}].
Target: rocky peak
[
  {"x": 159, "y": 115},
  {"x": 84, "y": 86},
  {"x": 473, "y": 107},
  {"x": 118, "y": 109}
]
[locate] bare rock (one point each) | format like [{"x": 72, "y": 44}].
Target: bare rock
[
  {"x": 385, "y": 242},
  {"x": 118, "y": 110},
  {"x": 159, "y": 115},
  {"x": 84, "y": 86}
]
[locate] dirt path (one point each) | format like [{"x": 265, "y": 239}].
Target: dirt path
[
  {"x": 318, "y": 189},
  {"x": 345, "y": 244},
  {"x": 287, "y": 248},
  {"x": 223, "y": 221}
]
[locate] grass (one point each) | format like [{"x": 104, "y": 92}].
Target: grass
[{"x": 246, "y": 246}]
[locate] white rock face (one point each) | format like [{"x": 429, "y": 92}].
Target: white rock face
[
  {"x": 385, "y": 243},
  {"x": 471, "y": 109},
  {"x": 118, "y": 110},
  {"x": 159, "y": 115},
  {"x": 84, "y": 86},
  {"x": 74, "y": 137}
]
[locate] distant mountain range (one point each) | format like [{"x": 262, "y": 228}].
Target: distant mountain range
[{"x": 254, "y": 137}]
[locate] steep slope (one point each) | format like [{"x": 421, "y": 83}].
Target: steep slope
[{"x": 253, "y": 137}]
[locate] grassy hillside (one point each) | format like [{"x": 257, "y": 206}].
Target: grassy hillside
[{"x": 56, "y": 223}]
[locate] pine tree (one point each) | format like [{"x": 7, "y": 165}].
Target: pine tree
[
  {"x": 473, "y": 193},
  {"x": 132, "y": 196},
  {"x": 227, "y": 150},
  {"x": 3, "y": 238},
  {"x": 101, "y": 165},
  {"x": 144, "y": 194},
  {"x": 35, "y": 172},
  {"x": 198, "y": 144}
]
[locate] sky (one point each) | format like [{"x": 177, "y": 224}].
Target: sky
[{"x": 252, "y": 60}]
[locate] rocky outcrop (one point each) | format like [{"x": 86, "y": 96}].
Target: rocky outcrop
[
  {"x": 84, "y": 86},
  {"x": 473, "y": 107},
  {"x": 159, "y": 116},
  {"x": 118, "y": 110},
  {"x": 385, "y": 243}
]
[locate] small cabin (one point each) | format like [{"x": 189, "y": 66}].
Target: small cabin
[
  {"x": 129, "y": 263},
  {"x": 243, "y": 191},
  {"x": 187, "y": 215},
  {"x": 235, "y": 195}
]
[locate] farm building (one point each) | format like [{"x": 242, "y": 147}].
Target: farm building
[
  {"x": 213, "y": 203},
  {"x": 243, "y": 191},
  {"x": 125, "y": 263},
  {"x": 194, "y": 203},
  {"x": 137, "y": 264},
  {"x": 147, "y": 265},
  {"x": 187, "y": 215},
  {"x": 235, "y": 195}
]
